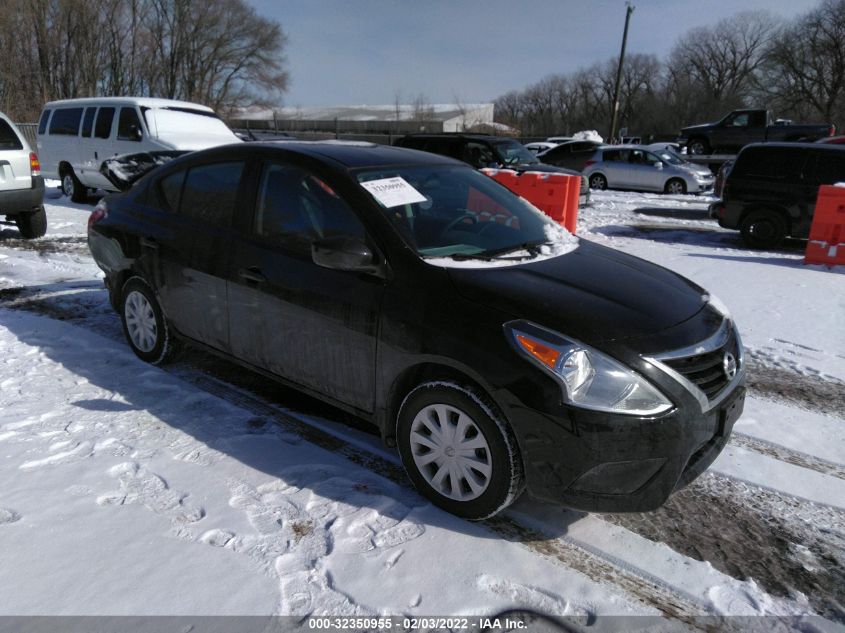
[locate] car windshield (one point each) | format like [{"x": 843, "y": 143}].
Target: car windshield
[
  {"x": 457, "y": 212},
  {"x": 514, "y": 153},
  {"x": 668, "y": 156}
]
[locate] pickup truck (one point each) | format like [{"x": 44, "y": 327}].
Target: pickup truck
[{"x": 741, "y": 127}]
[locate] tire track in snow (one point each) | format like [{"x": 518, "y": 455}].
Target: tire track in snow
[{"x": 788, "y": 455}]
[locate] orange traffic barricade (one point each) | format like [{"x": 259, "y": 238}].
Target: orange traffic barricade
[
  {"x": 827, "y": 233},
  {"x": 556, "y": 195}
]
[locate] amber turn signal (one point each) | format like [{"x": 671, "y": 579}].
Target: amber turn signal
[{"x": 545, "y": 354}]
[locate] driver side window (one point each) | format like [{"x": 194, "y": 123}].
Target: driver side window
[
  {"x": 294, "y": 207},
  {"x": 478, "y": 155}
]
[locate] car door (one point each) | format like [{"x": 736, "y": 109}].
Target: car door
[
  {"x": 311, "y": 325},
  {"x": 97, "y": 147},
  {"x": 739, "y": 129},
  {"x": 614, "y": 165},
  {"x": 193, "y": 252}
]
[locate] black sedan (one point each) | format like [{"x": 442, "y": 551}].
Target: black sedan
[{"x": 495, "y": 349}]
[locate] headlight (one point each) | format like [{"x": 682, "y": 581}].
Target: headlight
[{"x": 590, "y": 379}]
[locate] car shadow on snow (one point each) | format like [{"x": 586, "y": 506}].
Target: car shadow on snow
[
  {"x": 268, "y": 410},
  {"x": 693, "y": 236},
  {"x": 677, "y": 214}
]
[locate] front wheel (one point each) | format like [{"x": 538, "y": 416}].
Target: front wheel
[
  {"x": 144, "y": 324},
  {"x": 597, "y": 181},
  {"x": 675, "y": 186},
  {"x": 457, "y": 451},
  {"x": 763, "y": 229},
  {"x": 32, "y": 225}
]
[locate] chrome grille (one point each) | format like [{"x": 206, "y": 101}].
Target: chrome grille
[{"x": 707, "y": 370}]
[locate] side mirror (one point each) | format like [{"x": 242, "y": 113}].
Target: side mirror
[
  {"x": 135, "y": 132},
  {"x": 658, "y": 165},
  {"x": 344, "y": 253}
]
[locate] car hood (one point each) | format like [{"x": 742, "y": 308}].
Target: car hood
[
  {"x": 593, "y": 294},
  {"x": 699, "y": 126}
]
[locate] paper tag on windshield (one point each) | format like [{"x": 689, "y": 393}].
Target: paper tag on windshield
[{"x": 393, "y": 192}]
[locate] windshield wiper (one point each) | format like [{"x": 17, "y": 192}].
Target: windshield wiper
[{"x": 533, "y": 247}]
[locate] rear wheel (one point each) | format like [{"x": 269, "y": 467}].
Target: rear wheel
[
  {"x": 457, "y": 451},
  {"x": 698, "y": 147},
  {"x": 598, "y": 181},
  {"x": 144, "y": 324},
  {"x": 763, "y": 229},
  {"x": 71, "y": 186},
  {"x": 675, "y": 186},
  {"x": 32, "y": 225}
]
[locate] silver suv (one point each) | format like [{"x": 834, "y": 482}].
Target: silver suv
[{"x": 21, "y": 184}]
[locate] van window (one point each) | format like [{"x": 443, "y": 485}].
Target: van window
[
  {"x": 65, "y": 121},
  {"x": 129, "y": 125},
  {"x": 210, "y": 192},
  {"x": 42, "y": 124},
  {"x": 770, "y": 163},
  {"x": 104, "y": 120},
  {"x": 8, "y": 138},
  {"x": 88, "y": 122}
]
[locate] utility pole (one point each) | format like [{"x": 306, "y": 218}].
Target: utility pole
[{"x": 615, "y": 119}]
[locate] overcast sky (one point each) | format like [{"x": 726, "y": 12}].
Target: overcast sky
[{"x": 351, "y": 52}]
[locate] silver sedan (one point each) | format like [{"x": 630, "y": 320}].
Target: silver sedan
[{"x": 638, "y": 168}]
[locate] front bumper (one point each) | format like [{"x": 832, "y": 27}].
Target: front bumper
[
  {"x": 16, "y": 201},
  {"x": 602, "y": 462}
]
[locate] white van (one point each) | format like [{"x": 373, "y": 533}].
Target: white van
[{"x": 75, "y": 136}]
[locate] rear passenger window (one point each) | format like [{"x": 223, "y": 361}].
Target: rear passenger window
[
  {"x": 8, "y": 138},
  {"x": 105, "y": 117},
  {"x": 65, "y": 121},
  {"x": 42, "y": 124},
  {"x": 613, "y": 155},
  {"x": 88, "y": 122},
  {"x": 128, "y": 125},
  {"x": 170, "y": 188},
  {"x": 830, "y": 167},
  {"x": 210, "y": 192}
]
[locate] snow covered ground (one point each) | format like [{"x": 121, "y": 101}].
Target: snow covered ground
[{"x": 197, "y": 489}]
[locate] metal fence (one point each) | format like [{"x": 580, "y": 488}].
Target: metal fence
[{"x": 28, "y": 130}]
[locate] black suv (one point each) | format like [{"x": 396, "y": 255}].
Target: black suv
[
  {"x": 770, "y": 192},
  {"x": 481, "y": 150}
]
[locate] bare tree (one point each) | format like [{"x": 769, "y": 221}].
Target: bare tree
[{"x": 806, "y": 72}]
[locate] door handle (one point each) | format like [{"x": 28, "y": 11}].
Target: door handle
[
  {"x": 148, "y": 242},
  {"x": 252, "y": 275}
]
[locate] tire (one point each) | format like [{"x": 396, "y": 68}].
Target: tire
[
  {"x": 71, "y": 186},
  {"x": 144, "y": 324},
  {"x": 698, "y": 147},
  {"x": 763, "y": 229},
  {"x": 598, "y": 181},
  {"x": 474, "y": 492},
  {"x": 675, "y": 186},
  {"x": 32, "y": 225}
]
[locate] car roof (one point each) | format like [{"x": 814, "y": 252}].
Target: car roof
[
  {"x": 815, "y": 146},
  {"x": 140, "y": 101},
  {"x": 355, "y": 155}
]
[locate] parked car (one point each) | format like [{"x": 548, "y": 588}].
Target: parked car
[
  {"x": 480, "y": 150},
  {"x": 557, "y": 140},
  {"x": 770, "y": 192},
  {"x": 741, "y": 127},
  {"x": 494, "y": 348},
  {"x": 539, "y": 146},
  {"x": 75, "y": 136},
  {"x": 634, "y": 167},
  {"x": 21, "y": 183},
  {"x": 570, "y": 155}
]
